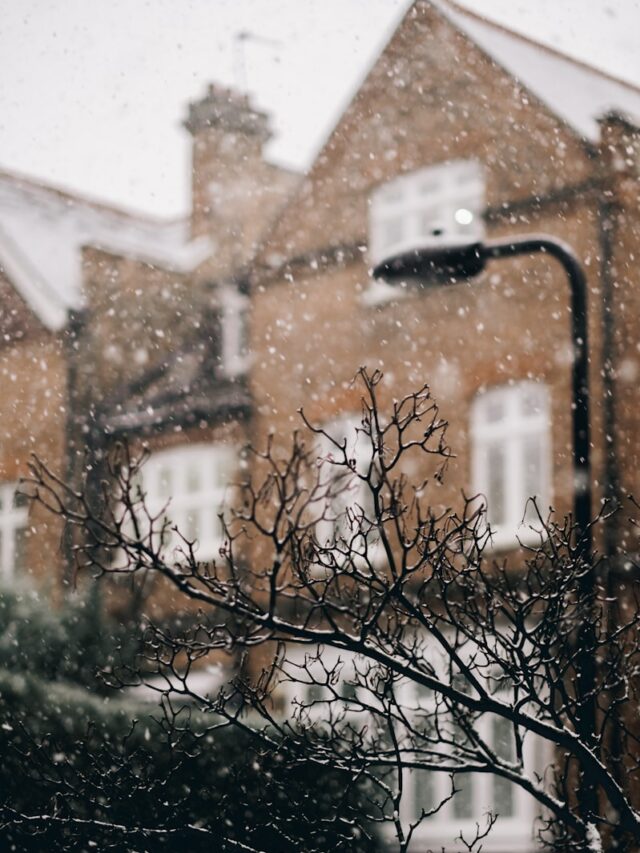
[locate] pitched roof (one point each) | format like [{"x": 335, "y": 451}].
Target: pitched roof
[
  {"x": 42, "y": 232},
  {"x": 575, "y": 92}
]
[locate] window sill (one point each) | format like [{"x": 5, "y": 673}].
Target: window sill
[
  {"x": 378, "y": 293},
  {"x": 236, "y": 368},
  {"x": 509, "y": 835}
]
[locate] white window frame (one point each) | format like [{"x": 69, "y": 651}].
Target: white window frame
[
  {"x": 510, "y": 834},
  {"x": 508, "y": 436},
  {"x": 436, "y": 207},
  {"x": 356, "y": 493},
  {"x": 181, "y": 503},
  {"x": 13, "y": 522},
  {"x": 513, "y": 833},
  {"x": 234, "y": 327}
]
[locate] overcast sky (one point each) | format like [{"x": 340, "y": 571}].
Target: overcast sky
[{"x": 92, "y": 92}]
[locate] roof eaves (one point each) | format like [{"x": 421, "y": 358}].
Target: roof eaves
[
  {"x": 34, "y": 289},
  {"x": 184, "y": 259}
]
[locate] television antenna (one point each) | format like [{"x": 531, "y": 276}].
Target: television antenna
[{"x": 240, "y": 40}]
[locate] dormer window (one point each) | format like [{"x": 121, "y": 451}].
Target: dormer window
[{"x": 435, "y": 207}]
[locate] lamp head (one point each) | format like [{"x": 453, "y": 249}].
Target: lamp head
[{"x": 433, "y": 264}]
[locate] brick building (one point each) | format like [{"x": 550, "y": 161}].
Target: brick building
[
  {"x": 115, "y": 325},
  {"x": 201, "y": 336},
  {"x": 459, "y": 121}
]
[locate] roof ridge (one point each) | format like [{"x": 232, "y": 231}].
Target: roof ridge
[{"x": 580, "y": 63}]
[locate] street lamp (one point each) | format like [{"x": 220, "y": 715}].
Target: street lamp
[
  {"x": 439, "y": 264},
  {"x": 444, "y": 258}
]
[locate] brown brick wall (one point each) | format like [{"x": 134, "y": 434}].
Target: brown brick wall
[
  {"x": 621, "y": 224},
  {"x": 432, "y": 96},
  {"x": 235, "y": 196},
  {"x": 137, "y": 316},
  {"x": 33, "y": 415},
  {"x": 312, "y": 334}
]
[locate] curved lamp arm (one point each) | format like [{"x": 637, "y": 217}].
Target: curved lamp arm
[{"x": 546, "y": 244}]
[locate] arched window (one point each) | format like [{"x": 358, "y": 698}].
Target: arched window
[
  {"x": 189, "y": 483},
  {"x": 511, "y": 459}
]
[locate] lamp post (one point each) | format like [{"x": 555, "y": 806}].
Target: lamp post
[
  {"x": 445, "y": 262},
  {"x": 446, "y": 265}
]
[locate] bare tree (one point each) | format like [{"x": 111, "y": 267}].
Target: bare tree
[{"x": 394, "y": 641}]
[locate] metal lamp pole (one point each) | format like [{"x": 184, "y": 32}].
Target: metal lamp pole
[
  {"x": 585, "y": 653},
  {"x": 444, "y": 266},
  {"x": 579, "y": 370}
]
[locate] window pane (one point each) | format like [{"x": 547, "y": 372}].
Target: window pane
[
  {"x": 348, "y": 689},
  {"x": 191, "y": 528},
  {"x": 430, "y": 222},
  {"x": 423, "y": 790},
  {"x": 503, "y": 799},
  {"x": 225, "y": 469},
  {"x": 463, "y": 800},
  {"x": 165, "y": 482},
  {"x": 425, "y": 697},
  {"x": 392, "y": 231},
  {"x": 19, "y": 499},
  {"x": 216, "y": 525},
  {"x": 166, "y": 534},
  {"x": 494, "y": 410},
  {"x": 20, "y": 538},
  {"x": 193, "y": 478},
  {"x": 533, "y": 482},
  {"x": 502, "y": 737},
  {"x": 430, "y": 184},
  {"x": 496, "y": 460},
  {"x": 503, "y": 743},
  {"x": 391, "y": 193},
  {"x": 243, "y": 332},
  {"x": 314, "y": 693},
  {"x": 532, "y": 400}
]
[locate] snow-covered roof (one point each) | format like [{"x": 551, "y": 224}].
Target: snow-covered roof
[
  {"x": 578, "y": 94},
  {"x": 42, "y": 231}
]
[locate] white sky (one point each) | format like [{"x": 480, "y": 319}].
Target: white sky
[{"x": 92, "y": 92}]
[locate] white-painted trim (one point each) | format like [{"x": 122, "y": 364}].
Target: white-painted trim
[
  {"x": 234, "y": 344},
  {"x": 189, "y": 484},
  {"x": 45, "y": 303},
  {"x": 356, "y": 492},
  {"x": 501, "y": 426},
  {"x": 181, "y": 259},
  {"x": 12, "y": 519},
  {"x": 436, "y": 207}
]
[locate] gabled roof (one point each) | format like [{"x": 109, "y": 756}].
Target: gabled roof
[
  {"x": 575, "y": 92},
  {"x": 42, "y": 232}
]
